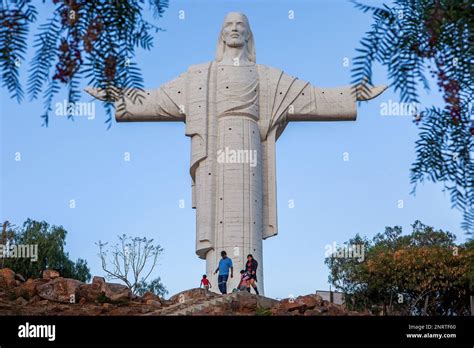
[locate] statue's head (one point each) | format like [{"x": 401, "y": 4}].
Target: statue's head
[{"x": 236, "y": 33}]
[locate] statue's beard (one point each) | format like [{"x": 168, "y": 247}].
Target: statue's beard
[{"x": 235, "y": 43}]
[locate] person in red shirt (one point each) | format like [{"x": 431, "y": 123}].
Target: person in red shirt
[{"x": 205, "y": 282}]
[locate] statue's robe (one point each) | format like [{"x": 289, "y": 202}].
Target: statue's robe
[{"x": 267, "y": 99}]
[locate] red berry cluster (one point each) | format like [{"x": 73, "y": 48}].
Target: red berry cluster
[
  {"x": 93, "y": 31},
  {"x": 69, "y": 60},
  {"x": 433, "y": 26},
  {"x": 110, "y": 67},
  {"x": 70, "y": 12},
  {"x": 450, "y": 89},
  {"x": 11, "y": 20},
  {"x": 448, "y": 86}
]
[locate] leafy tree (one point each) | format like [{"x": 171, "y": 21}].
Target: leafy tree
[
  {"x": 51, "y": 255},
  {"x": 91, "y": 39},
  {"x": 423, "y": 273},
  {"x": 132, "y": 261},
  {"x": 155, "y": 287},
  {"x": 413, "y": 40}
]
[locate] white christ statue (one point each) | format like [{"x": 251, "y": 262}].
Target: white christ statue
[{"x": 235, "y": 110}]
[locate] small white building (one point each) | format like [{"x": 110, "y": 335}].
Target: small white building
[{"x": 332, "y": 296}]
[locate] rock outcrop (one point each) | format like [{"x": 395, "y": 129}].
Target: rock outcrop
[
  {"x": 55, "y": 295},
  {"x": 60, "y": 289},
  {"x": 50, "y": 274},
  {"x": 7, "y": 278}
]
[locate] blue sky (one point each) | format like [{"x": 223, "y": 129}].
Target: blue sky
[{"x": 333, "y": 199}]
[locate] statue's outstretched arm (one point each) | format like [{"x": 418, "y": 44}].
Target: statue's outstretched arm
[
  {"x": 163, "y": 104},
  {"x": 330, "y": 104}
]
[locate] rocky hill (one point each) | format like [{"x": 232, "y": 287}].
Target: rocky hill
[{"x": 55, "y": 295}]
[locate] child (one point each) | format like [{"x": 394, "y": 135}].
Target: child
[
  {"x": 205, "y": 282},
  {"x": 244, "y": 281}
]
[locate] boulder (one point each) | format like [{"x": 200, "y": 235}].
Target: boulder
[
  {"x": 29, "y": 287},
  {"x": 89, "y": 292},
  {"x": 221, "y": 309},
  {"x": 148, "y": 309},
  {"x": 34, "y": 299},
  {"x": 191, "y": 295},
  {"x": 310, "y": 301},
  {"x": 50, "y": 274},
  {"x": 301, "y": 303},
  {"x": 150, "y": 296},
  {"x": 43, "y": 303},
  {"x": 289, "y": 305},
  {"x": 59, "y": 290},
  {"x": 265, "y": 302},
  {"x": 20, "y": 301},
  {"x": 205, "y": 311},
  {"x": 153, "y": 303},
  {"x": 277, "y": 311},
  {"x": 7, "y": 277},
  {"x": 98, "y": 280},
  {"x": 335, "y": 309},
  {"x": 314, "y": 311},
  {"x": 244, "y": 304},
  {"x": 117, "y": 292}
]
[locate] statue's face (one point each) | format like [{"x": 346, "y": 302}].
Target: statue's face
[{"x": 235, "y": 30}]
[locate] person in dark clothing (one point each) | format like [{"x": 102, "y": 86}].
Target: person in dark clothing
[{"x": 251, "y": 270}]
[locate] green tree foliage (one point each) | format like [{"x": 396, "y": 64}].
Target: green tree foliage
[
  {"x": 51, "y": 255},
  {"x": 93, "y": 39},
  {"x": 155, "y": 287},
  {"x": 416, "y": 39},
  {"x": 15, "y": 20},
  {"x": 422, "y": 273}
]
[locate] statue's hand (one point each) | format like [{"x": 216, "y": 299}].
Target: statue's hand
[
  {"x": 372, "y": 93},
  {"x": 101, "y": 94},
  {"x": 364, "y": 92}
]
